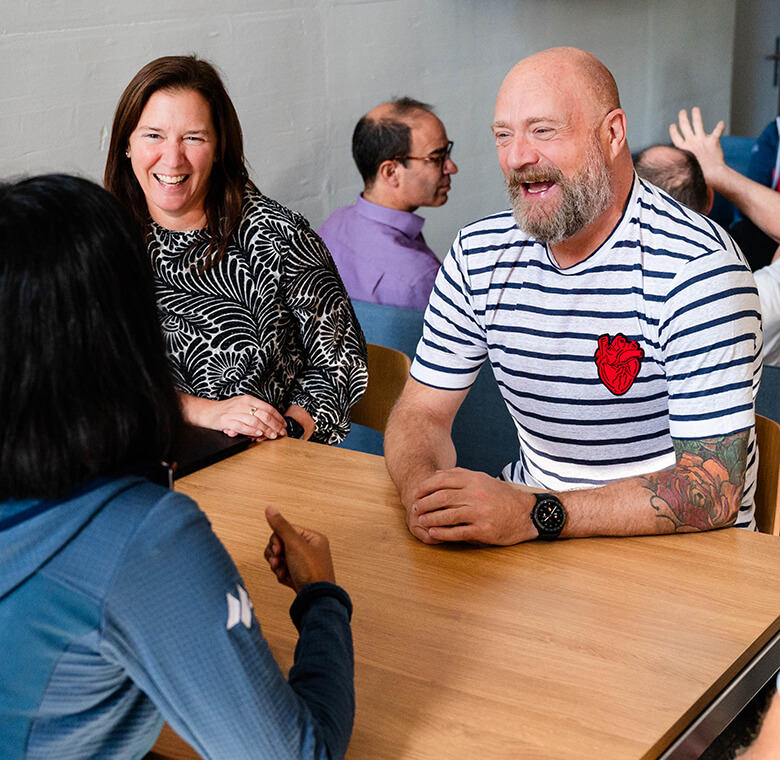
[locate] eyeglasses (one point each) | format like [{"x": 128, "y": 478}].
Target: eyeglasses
[{"x": 437, "y": 158}]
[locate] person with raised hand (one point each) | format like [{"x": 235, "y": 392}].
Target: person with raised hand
[{"x": 761, "y": 204}]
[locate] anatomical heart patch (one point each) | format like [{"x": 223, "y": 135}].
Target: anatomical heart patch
[{"x": 618, "y": 361}]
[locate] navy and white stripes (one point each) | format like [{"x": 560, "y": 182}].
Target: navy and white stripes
[{"x": 687, "y": 363}]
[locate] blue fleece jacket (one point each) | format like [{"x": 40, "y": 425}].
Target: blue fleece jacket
[{"x": 120, "y": 608}]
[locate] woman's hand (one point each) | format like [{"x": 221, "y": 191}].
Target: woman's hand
[
  {"x": 297, "y": 556},
  {"x": 244, "y": 415}
]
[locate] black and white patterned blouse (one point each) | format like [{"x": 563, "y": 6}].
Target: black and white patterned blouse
[{"x": 271, "y": 319}]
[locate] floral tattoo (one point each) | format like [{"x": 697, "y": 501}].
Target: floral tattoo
[{"x": 704, "y": 489}]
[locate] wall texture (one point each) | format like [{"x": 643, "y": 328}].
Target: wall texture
[
  {"x": 754, "y": 101},
  {"x": 302, "y": 71}
]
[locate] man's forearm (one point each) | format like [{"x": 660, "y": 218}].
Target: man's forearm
[
  {"x": 701, "y": 492},
  {"x": 759, "y": 203},
  {"x": 416, "y": 445}
]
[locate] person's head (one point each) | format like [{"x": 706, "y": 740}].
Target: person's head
[
  {"x": 676, "y": 172},
  {"x": 176, "y": 151},
  {"x": 85, "y": 387},
  {"x": 403, "y": 154},
  {"x": 561, "y": 139}
]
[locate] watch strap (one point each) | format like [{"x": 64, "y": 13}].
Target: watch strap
[{"x": 294, "y": 428}]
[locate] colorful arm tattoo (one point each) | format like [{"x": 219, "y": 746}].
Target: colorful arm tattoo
[{"x": 704, "y": 489}]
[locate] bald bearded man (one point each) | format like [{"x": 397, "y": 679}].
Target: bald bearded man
[{"x": 623, "y": 330}]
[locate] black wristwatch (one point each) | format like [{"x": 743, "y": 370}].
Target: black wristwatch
[
  {"x": 548, "y": 516},
  {"x": 294, "y": 428}
]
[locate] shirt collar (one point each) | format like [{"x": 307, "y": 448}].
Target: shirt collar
[{"x": 405, "y": 221}]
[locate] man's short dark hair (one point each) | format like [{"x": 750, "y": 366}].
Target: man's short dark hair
[
  {"x": 85, "y": 388},
  {"x": 378, "y": 140},
  {"x": 677, "y": 173}
]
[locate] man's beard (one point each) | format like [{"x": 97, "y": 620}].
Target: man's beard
[{"x": 583, "y": 199}]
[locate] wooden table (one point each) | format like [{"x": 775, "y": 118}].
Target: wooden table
[{"x": 591, "y": 648}]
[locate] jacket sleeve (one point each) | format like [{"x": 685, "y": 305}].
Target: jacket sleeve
[{"x": 179, "y": 620}]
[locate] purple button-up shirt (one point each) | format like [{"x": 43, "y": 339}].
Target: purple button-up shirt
[{"x": 381, "y": 254}]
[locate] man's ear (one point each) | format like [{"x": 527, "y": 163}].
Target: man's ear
[
  {"x": 615, "y": 126},
  {"x": 710, "y": 199},
  {"x": 388, "y": 173}
]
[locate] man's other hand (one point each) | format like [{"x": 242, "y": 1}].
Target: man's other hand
[{"x": 463, "y": 505}]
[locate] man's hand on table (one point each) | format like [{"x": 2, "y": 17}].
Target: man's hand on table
[
  {"x": 463, "y": 505},
  {"x": 297, "y": 556}
]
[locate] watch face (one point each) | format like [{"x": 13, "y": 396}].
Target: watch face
[{"x": 549, "y": 516}]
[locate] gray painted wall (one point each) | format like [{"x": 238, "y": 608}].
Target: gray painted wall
[
  {"x": 302, "y": 71},
  {"x": 754, "y": 97}
]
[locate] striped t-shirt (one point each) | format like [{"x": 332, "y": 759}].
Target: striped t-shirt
[{"x": 655, "y": 336}]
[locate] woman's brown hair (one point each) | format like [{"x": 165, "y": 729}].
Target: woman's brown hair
[{"x": 229, "y": 176}]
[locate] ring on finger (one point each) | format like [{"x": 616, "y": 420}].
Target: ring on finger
[{"x": 252, "y": 410}]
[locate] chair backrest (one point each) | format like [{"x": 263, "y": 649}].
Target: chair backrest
[
  {"x": 391, "y": 326},
  {"x": 388, "y": 370},
  {"x": 483, "y": 432},
  {"x": 768, "y": 480},
  {"x": 768, "y": 398}
]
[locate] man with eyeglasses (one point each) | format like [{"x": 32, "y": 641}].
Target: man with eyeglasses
[
  {"x": 403, "y": 154},
  {"x": 623, "y": 329}
]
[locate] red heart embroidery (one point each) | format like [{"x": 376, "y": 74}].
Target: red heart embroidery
[{"x": 618, "y": 361}]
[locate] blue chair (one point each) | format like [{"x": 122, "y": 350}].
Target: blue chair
[
  {"x": 483, "y": 432},
  {"x": 390, "y": 326},
  {"x": 768, "y": 398},
  {"x": 736, "y": 151}
]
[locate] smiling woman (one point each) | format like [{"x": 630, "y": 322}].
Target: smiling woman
[
  {"x": 261, "y": 337},
  {"x": 172, "y": 151}
]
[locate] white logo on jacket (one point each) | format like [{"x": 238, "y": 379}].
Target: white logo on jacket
[{"x": 239, "y": 610}]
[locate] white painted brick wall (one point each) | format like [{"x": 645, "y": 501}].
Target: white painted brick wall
[{"x": 302, "y": 72}]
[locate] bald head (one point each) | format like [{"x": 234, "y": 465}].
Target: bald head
[
  {"x": 572, "y": 73},
  {"x": 385, "y": 132},
  {"x": 398, "y": 109},
  {"x": 676, "y": 172},
  {"x": 561, "y": 140}
]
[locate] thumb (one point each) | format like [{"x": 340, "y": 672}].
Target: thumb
[{"x": 282, "y": 528}]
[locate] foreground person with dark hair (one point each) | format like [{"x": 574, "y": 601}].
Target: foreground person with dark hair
[{"x": 115, "y": 594}]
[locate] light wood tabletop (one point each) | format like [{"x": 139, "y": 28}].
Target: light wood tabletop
[{"x": 601, "y": 648}]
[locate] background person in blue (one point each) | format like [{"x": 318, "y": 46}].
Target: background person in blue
[{"x": 119, "y": 607}]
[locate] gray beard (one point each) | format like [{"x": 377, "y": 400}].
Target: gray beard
[{"x": 583, "y": 199}]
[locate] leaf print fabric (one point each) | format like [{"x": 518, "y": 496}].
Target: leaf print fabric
[{"x": 271, "y": 319}]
